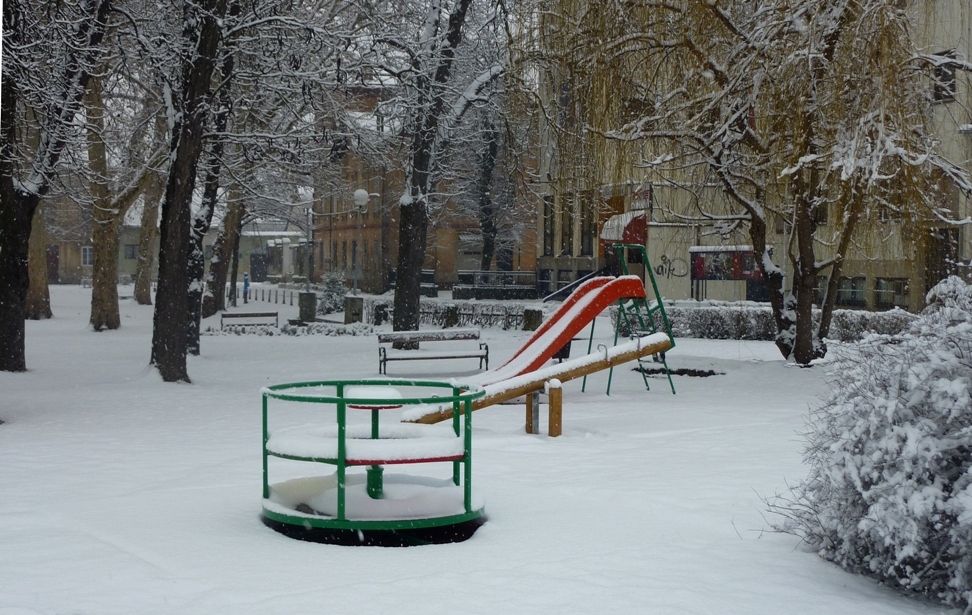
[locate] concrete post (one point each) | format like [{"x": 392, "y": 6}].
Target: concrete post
[{"x": 308, "y": 306}]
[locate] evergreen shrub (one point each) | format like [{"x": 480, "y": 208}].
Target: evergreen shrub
[
  {"x": 889, "y": 493},
  {"x": 330, "y": 293}
]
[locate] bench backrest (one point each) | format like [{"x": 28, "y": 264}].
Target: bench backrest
[
  {"x": 428, "y": 336},
  {"x": 263, "y": 317}
]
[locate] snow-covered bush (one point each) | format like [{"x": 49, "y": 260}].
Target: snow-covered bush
[
  {"x": 755, "y": 322},
  {"x": 330, "y": 293},
  {"x": 889, "y": 493},
  {"x": 853, "y": 325},
  {"x": 329, "y": 329},
  {"x": 483, "y": 314}
]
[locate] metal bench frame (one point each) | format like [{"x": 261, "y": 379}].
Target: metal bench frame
[
  {"x": 249, "y": 315},
  {"x": 444, "y": 335}
]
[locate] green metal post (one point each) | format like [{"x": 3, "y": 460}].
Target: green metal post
[
  {"x": 590, "y": 344},
  {"x": 455, "y": 427},
  {"x": 342, "y": 451},
  {"x": 617, "y": 330},
  {"x": 375, "y": 486},
  {"x": 266, "y": 436},
  {"x": 467, "y": 452}
]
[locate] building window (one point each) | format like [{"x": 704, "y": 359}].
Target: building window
[
  {"x": 891, "y": 292},
  {"x": 354, "y": 255},
  {"x": 548, "y": 225},
  {"x": 819, "y": 290},
  {"x": 344, "y": 255},
  {"x": 850, "y": 292},
  {"x": 87, "y": 256},
  {"x": 889, "y": 214},
  {"x": 781, "y": 224},
  {"x": 567, "y": 227},
  {"x": 943, "y": 89},
  {"x": 334, "y": 255},
  {"x": 131, "y": 251},
  {"x": 820, "y": 214},
  {"x": 588, "y": 227},
  {"x": 207, "y": 253},
  {"x": 544, "y": 281}
]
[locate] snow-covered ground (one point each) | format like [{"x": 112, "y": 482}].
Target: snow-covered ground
[{"x": 122, "y": 494}]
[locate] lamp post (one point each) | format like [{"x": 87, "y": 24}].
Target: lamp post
[
  {"x": 361, "y": 201},
  {"x": 310, "y": 248}
]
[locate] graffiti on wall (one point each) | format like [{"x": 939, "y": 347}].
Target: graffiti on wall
[{"x": 671, "y": 267}]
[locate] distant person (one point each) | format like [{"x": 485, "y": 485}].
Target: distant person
[{"x": 246, "y": 286}]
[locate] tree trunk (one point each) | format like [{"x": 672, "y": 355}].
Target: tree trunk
[
  {"x": 854, "y": 206},
  {"x": 38, "y": 293},
  {"x": 487, "y": 210},
  {"x": 16, "y": 213},
  {"x": 148, "y": 239},
  {"x": 413, "y": 230},
  {"x": 774, "y": 283},
  {"x": 226, "y": 243},
  {"x": 171, "y": 321},
  {"x": 203, "y": 219},
  {"x": 236, "y": 262},
  {"x": 104, "y": 274}
]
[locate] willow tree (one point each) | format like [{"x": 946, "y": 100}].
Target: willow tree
[{"x": 790, "y": 108}]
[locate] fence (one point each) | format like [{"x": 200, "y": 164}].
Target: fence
[{"x": 267, "y": 295}]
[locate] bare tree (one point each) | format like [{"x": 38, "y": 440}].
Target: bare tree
[
  {"x": 38, "y": 293},
  {"x": 109, "y": 206},
  {"x": 187, "y": 117},
  {"x": 73, "y": 37},
  {"x": 147, "y": 239},
  {"x": 417, "y": 49}
]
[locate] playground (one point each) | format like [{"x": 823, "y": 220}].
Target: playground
[{"x": 123, "y": 495}]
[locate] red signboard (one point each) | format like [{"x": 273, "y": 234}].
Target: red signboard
[{"x": 724, "y": 264}]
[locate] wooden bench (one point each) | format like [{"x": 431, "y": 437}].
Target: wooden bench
[
  {"x": 444, "y": 335},
  {"x": 254, "y": 318}
]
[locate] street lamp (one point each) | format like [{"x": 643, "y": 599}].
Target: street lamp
[{"x": 361, "y": 201}]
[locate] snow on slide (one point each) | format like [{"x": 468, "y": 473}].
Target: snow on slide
[{"x": 584, "y": 304}]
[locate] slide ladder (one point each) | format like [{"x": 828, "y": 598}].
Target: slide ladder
[{"x": 637, "y": 315}]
